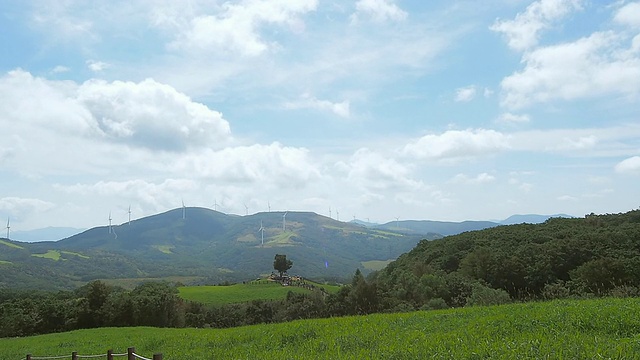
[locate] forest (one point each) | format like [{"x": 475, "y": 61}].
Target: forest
[{"x": 594, "y": 256}]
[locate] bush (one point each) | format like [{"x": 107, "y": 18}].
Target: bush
[{"x": 482, "y": 296}]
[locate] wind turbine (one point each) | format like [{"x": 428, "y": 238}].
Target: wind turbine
[
  {"x": 269, "y": 206},
  {"x": 330, "y": 213},
  {"x": 284, "y": 221},
  {"x": 215, "y": 205},
  {"x": 262, "y": 232},
  {"x": 184, "y": 211},
  {"x": 129, "y": 214},
  {"x": 110, "y": 230},
  {"x": 8, "y": 227},
  {"x": 337, "y": 215},
  {"x": 397, "y": 224},
  {"x": 246, "y": 209}
]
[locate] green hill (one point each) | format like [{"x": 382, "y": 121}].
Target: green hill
[
  {"x": 207, "y": 246},
  {"x": 587, "y": 329}
]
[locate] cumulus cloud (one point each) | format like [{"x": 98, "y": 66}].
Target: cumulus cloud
[
  {"x": 309, "y": 102},
  {"x": 522, "y": 33},
  {"x": 465, "y": 94},
  {"x": 629, "y": 15},
  {"x": 457, "y": 144},
  {"x": 234, "y": 28},
  {"x": 60, "y": 69},
  {"x": 152, "y": 115},
  {"x": 630, "y": 165},
  {"x": 513, "y": 118},
  {"x": 272, "y": 164},
  {"x": 375, "y": 172},
  {"x": 146, "y": 114},
  {"x": 97, "y": 66},
  {"x": 17, "y": 207},
  {"x": 157, "y": 195},
  {"x": 378, "y": 11},
  {"x": 599, "y": 64}
]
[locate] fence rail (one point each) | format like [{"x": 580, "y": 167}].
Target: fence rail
[{"x": 130, "y": 354}]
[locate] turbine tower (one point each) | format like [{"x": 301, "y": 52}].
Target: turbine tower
[
  {"x": 184, "y": 211},
  {"x": 246, "y": 209},
  {"x": 262, "y": 233},
  {"x": 129, "y": 214},
  {"x": 269, "y": 206},
  {"x": 284, "y": 221},
  {"x": 215, "y": 204},
  {"x": 8, "y": 227},
  {"x": 110, "y": 230},
  {"x": 330, "y": 213},
  {"x": 338, "y": 215},
  {"x": 397, "y": 223}
]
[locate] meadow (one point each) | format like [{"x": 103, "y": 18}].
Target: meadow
[
  {"x": 240, "y": 293},
  {"x": 562, "y": 329}
]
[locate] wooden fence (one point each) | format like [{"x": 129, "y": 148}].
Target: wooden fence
[{"x": 130, "y": 354}]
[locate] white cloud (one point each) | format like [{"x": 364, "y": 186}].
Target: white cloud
[
  {"x": 375, "y": 172},
  {"x": 60, "y": 69},
  {"x": 378, "y": 11},
  {"x": 596, "y": 65},
  {"x": 307, "y": 101},
  {"x": 513, "y": 118},
  {"x": 17, "y": 207},
  {"x": 157, "y": 195},
  {"x": 630, "y": 165},
  {"x": 235, "y": 28},
  {"x": 97, "y": 66},
  {"x": 465, "y": 94},
  {"x": 152, "y": 115},
  {"x": 523, "y": 32},
  {"x": 456, "y": 144},
  {"x": 629, "y": 15},
  {"x": 479, "y": 179},
  {"x": 272, "y": 164}
]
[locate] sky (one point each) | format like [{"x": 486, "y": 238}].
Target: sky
[{"x": 371, "y": 109}]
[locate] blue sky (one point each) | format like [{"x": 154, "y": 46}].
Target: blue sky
[{"x": 376, "y": 109}]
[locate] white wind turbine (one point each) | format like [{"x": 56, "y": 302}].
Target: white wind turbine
[
  {"x": 215, "y": 204},
  {"x": 397, "y": 223},
  {"x": 8, "y": 227},
  {"x": 129, "y": 214},
  {"x": 246, "y": 209},
  {"x": 337, "y": 215},
  {"x": 110, "y": 230},
  {"x": 262, "y": 233},
  {"x": 284, "y": 221},
  {"x": 269, "y": 206},
  {"x": 184, "y": 211},
  {"x": 330, "y": 213}
]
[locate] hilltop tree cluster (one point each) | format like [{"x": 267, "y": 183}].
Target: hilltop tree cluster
[{"x": 598, "y": 255}]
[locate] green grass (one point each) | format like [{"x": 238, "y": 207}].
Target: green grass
[
  {"x": 50, "y": 254},
  {"x": 588, "y": 329},
  {"x": 11, "y": 245},
  {"x": 131, "y": 283},
  {"x": 4, "y": 262},
  {"x": 74, "y": 254},
  {"x": 166, "y": 249},
  {"x": 375, "y": 265}
]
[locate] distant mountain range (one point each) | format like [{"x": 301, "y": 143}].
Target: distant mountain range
[
  {"x": 45, "y": 234},
  {"x": 203, "y": 246}
]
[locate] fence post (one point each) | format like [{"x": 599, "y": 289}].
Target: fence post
[
  {"x": 157, "y": 356},
  {"x": 130, "y": 352},
  {"x": 74, "y": 355},
  {"x": 109, "y": 354},
  {"x": 28, "y": 356}
]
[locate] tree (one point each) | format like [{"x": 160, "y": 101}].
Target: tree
[{"x": 281, "y": 264}]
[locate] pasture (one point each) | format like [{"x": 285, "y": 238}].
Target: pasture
[{"x": 568, "y": 329}]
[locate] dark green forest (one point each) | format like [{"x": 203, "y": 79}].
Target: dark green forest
[{"x": 594, "y": 256}]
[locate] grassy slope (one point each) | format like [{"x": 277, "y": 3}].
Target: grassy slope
[
  {"x": 603, "y": 328},
  {"x": 239, "y": 293}
]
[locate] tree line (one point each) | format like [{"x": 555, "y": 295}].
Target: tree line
[{"x": 598, "y": 255}]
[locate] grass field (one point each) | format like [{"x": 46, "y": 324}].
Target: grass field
[
  {"x": 239, "y": 293},
  {"x": 587, "y": 329},
  {"x": 11, "y": 245}
]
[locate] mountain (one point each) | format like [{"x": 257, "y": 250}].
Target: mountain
[
  {"x": 444, "y": 228},
  {"x": 45, "y": 234},
  {"x": 205, "y": 246},
  {"x": 531, "y": 219}
]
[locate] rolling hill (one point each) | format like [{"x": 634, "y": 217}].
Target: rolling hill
[{"x": 208, "y": 245}]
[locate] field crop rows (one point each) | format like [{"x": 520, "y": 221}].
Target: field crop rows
[{"x": 603, "y": 328}]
